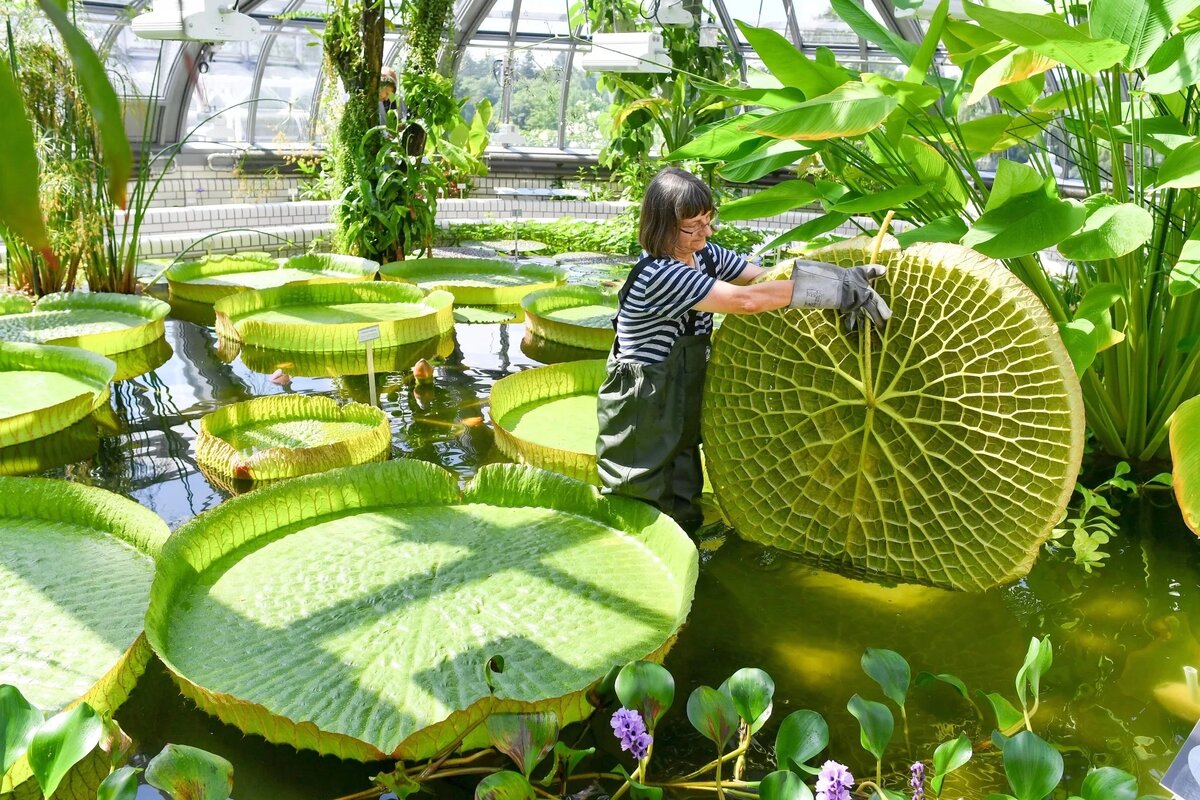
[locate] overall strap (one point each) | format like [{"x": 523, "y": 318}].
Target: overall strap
[
  {"x": 623, "y": 292},
  {"x": 708, "y": 264}
]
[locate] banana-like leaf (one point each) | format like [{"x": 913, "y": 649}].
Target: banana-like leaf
[
  {"x": 48, "y": 388},
  {"x": 101, "y": 322},
  {"x": 1181, "y": 168},
  {"x": 282, "y": 436},
  {"x": 851, "y": 109},
  {"x": 725, "y": 141},
  {"x": 75, "y": 569},
  {"x": 763, "y": 161},
  {"x": 778, "y": 199},
  {"x": 327, "y": 317},
  {"x": 475, "y": 281},
  {"x": 1174, "y": 66},
  {"x": 879, "y": 201},
  {"x": 790, "y": 65},
  {"x": 1185, "y": 460},
  {"x": 546, "y": 417},
  {"x": 20, "y": 206},
  {"x": 577, "y": 316},
  {"x": 1050, "y": 36},
  {"x": 865, "y": 26},
  {"x": 207, "y": 280},
  {"x": 1019, "y": 65},
  {"x": 951, "y": 468},
  {"x": 1142, "y": 25}
]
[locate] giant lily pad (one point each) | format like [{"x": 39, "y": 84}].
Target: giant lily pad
[
  {"x": 359, "y": 609},
  {"x": 76, "y": 564},
  {"x": 72, "y": 444},
  {"x": 548, "y": 352},
  {"x": 102, "y": 322},
  {"x": 209, "y": 279},
  {"x": 475, "y": 281},
  {"x": 47, "y": 388},
  {"x": 947, "y": 462},
  {"x": 546, "y": 416},
  {"x": 577, "y": 316},
  {"x": 327, "y": 317},
  {"x": 283, "y": 436},
  {"x": 333, "y": 365},
  {"x": 132, "y": 363}
]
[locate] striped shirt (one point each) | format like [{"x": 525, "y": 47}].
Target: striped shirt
[{"x": 655, "y": 310}]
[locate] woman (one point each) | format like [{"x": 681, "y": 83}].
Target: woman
[{"x": 649, "y": 404}]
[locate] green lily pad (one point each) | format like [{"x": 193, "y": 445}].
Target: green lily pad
[
  {"x": 139, "y": 361},
  {"x": 48, "y": 388},
  {"x": 71, "y": 445},
  {"x": 547, "y": 352},
  {"x": 359, "y": 608},
  {"x": 952, "y": 469},
  {"x": 578, "y": 316},
  {"x": 399, "y": 358},
  {"x": 283, "y": 436},
  {"x": 516, "y": 246},
  {"x": 209, "y": 279},
  {"x": 546, "y": 416},
  {"x": 490, "y": 315},
  {"x": 475, "y": 281},
  {"x": 327, "y": 317},
  {"x": 76, "y": 563},
  {"x": 101, "y": 322},
  {"x": 11, "y": 303}
]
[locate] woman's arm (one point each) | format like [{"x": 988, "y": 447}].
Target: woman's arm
[
  {"x": 748, "y": 274},
  {"x": 730, "y": 298}
]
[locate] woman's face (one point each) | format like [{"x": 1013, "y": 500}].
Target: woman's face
[{"x": 694, "y": 232}]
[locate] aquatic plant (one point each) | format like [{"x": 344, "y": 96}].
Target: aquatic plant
[
  {"x": 101, "y": 322},
  {"x": 48, "y": 388},
  {"x": 1186, "y": 460},
  {"x": 475, "y": 281},
  {"x": 208, "y": 279}
]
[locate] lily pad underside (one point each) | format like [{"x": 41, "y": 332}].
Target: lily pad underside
[
  {"x": 546, "y": 417},
  {"x": 577, "y": 316},
  {"x": 209, "y": 279},
  {"x": 48, "y": 388},
  {"x": 102, "y": 322},
  {"x": 327, "y": 317},
  {"x": 399, "y": 358},
  {"x": 76, "y": 563},
  {"x": 359, "y": 608},
  {"x": 475, "y": 281},
  {"x": 284, "y": 436},
  {"x": 946, "y": 458}
]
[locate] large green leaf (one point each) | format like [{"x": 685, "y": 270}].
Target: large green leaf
[
  {"x": 802, "y": 735},
  {"x": 208, "y": 279},
  {"x": 1142, "y": 25},
  {"x": 60, "y": 743},
  {"x": 807, "y": 231},
  {"x": 1185, "y": 460},
  {"x": 1024, "y": 223},
  {"x": 729, "y": 140},
  {"x": 282, "y": 436},
  {"x": 851, "y": 109},
  {"x": 778, "y": 199},
  {"x": 763, "y": 161},
  {"x": 20, "y": 206},
  {"x": 1185, "y": 275},
  {"x": 879, "y": 201},
  {"x": 1111, "y": 230},
  {"x": 475, "y": 281},
  {"x": 951, "y": 469},
  {"x": 48, "y": 388},
  {"x": 857, "y": 17},
  {"x": 547, "y": 417},
  {"x": 790, "y": 65},
  {"x": 1050, "y": 36},
  {"x": 577, "y": 316},
  {"x": 1175, "y": 65},
  {"x": 875, "y": 724},
  {"x": 1033, "y": 767},
  {"x": 1181, "y": 168},
  {"x": 1019, "y": 65},
  {"x": 101, "y": 322},
  {"x": 18, "y": 721},
  {"x": 319, "y": 585}
]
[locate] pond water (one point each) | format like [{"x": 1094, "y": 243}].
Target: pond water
[{"x": 1118, "y": 633}]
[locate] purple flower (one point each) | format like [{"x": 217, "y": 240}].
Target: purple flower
[
  {"x": 834, "y": 782},
  {"x": 639, "y": 746},
  {"x": 917, "y": 780},
  {"x": 629, "y": 727}
]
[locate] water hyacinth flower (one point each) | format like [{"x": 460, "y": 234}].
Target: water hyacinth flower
[
  {"x": 917, "y": 780},
  {"x": 630, "y": 728},
  {"x": 834, "y": 782}
]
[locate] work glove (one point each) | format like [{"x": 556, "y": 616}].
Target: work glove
[{"x": 819, "y": 285}]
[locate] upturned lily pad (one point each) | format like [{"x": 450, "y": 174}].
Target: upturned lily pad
[
  {"x": 101, "y": 322},
  {"x": 71, "y": 445},
  {"x": 333, "y": 365},
  {"x": 475, "y": 281},
  {"x": 209, "y": 279},
  {"x": 327, "y": 317},
  {"x": 76, "y": 564},
  {"x": 515, "y": 246},
  {"x": 48, "y": 388},
  {"x": 578, "y": 316},
  {"x": 546, "y": 416},
  {"x": 359, "y": 609},
  {"x": 284, "y": 436},
  {"x": 945, "y": 459}
]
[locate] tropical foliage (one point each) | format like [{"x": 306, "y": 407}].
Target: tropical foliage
[{"x": 577, "y": 316}]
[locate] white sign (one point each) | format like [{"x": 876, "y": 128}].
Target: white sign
[
  {"x": 1183, "y": 776},
  {"x": 368, "y": 334}
]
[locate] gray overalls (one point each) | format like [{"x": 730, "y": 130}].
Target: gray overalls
[{"x": 649, "y": 415}]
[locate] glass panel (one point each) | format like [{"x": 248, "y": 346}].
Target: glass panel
[
  {"x": 819, "y": 25},
  {"x": 537, "y": 93},
  {"x": 133, "y": 62},
  {"x": 543, "y": 18},
  {"x": 760, "y": 14},
  {"x": 585, "y": 104},
  {"x": 498, "y": 19},
  {"x": 228, "y": 81},
  {"x": 287, "y": 88},
  {"x": 478, "y": 76}
]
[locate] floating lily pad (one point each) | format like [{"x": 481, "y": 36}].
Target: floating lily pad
[
  {"x": 76, "y": 564},
  {"x": 947, "y": 462},
  {"x": 71, "y": 445},
  {"x": 48, "y": 388},
  {"x": 579, "y": 316},
  {"x": 593, "y": 258},
  {"x": 334, "y": 365},
  {"x": 546, "y": 416},
  {"x": 326, "y": 317},
  {"x": 11, "y": 303},
  {"x": 475, "y": 281},
  {"x": 132, "y": 363},
  {"x": 209, "y": 279},
  {"x": 488, "y": 315},
  {"x": 516, "y": 246},
  {"x": 547, "y": 352},
  {"x": 101, "y": 322},
  {"x": 358, "y": 609},
  {"x": 284, "y": 436}
]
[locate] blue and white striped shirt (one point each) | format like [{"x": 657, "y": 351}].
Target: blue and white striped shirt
[{"x": 655, "y": 310}]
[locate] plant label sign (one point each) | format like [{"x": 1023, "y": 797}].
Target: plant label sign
[
  {"x": 368, "y": 334},
  {"x": 1183, "y": 776}
]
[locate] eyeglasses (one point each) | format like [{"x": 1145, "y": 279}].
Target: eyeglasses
[{"x": 711, "y": 225}]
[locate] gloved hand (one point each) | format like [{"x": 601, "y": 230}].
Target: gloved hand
[{"x": 819, "y": 285}]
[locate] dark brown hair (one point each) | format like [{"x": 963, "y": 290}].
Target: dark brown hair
[{"x": 672, "y": 196}]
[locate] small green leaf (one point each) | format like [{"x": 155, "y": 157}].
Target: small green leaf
[
  {"x": 647, "y": 688},
  {"x": 948, "y": 757},
  {"x": 889, "y": 669},
  {"x": 1033, "y": 767},
  {"x": 942, "y": 229},
  {"x": 802, "y": 735},
  {"x": 1038, "y": 659},
  {"x": 1180, "y": 169},
  {"x": 639, "y": 791},
  {"x": 189, "y": 773},
  {"x": 120, "y": 785},
  {"x": 763, "y": 161},
  {"x": 18, "y": 720},
  {"x": 880, "y": 201},
  {"x": 566, "y": 760},
  {"x": 713, "y": 713},
  {"x": 780, "y": 198},
  {"x": 525, "y": 738},
  {"x": 1109, "y": 783},
  {"x": 1185, "y": 275},
  {"x": 783, "y": 785},
  {"x": 398, "y": 783},
  {"x": 1111, "y": 230},
  {"x": 875, "y": 724},
  {"x": 62, "y": 742},
  {"x": 1007, "y": 715},
  {"x": 504, "y": 785},
  {"x": 925, "y": 678},
  {"x": 751, "y": 691}
]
